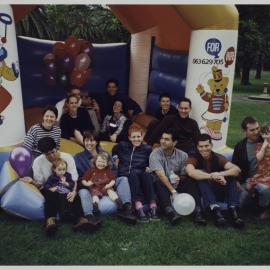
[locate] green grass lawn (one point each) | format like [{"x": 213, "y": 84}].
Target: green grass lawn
[{"x": 24, "y": 242}]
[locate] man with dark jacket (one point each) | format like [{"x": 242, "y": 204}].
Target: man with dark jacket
[
  {"x": 245, "y": 157},
  {"x": 187, "y": 128}
]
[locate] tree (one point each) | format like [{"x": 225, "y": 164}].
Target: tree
[{"x": 95, "y": 23}]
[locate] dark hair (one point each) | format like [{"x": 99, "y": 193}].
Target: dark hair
[
  {"x": 50, "y": 108},
  {"x": 70, "y": 96},
  {"x": 248, "y": 120},
  {"x": 184, "y": 99},
  {"x": 204, "y": 137},
  {"x": 164, "y": 94},
  {"x": 112, "y": 81},
  {"x": 172, "y": 132},
  {"x": 122, "y": 102},
  {"x": 46, "y": 144},
  {"x": 91, "y": 135}
]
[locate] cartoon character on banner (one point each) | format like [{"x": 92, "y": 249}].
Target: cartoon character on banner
[
  {"x": 218, "y": 103},
  {"x": 6, "y": 72}
]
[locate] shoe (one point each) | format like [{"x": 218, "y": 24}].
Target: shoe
[
  {"x": 220, "y": 221},
  {"x": 236, "y": 220},
  {"x": 51, "y": 226},
  {"x": 198, "y": 216},
  {"x": 265, "y": 215},
  {"x": 96, "y": 221},
  {"x": 153, "y": 214},
  {"x": 173, "y": 217},
  {"x": 83, "y": 225},
  {"x": 126, "y": 214},
  {"x": 142, "y": 217}
]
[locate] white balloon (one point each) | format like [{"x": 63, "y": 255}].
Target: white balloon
[{"x": 184, "y": 204}]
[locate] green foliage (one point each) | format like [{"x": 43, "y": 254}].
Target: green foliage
[{"x": 95, "y": 23}]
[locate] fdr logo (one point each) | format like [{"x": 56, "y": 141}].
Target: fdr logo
[{"x": 213, "y": 47}]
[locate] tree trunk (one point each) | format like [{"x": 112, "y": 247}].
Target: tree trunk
[
  {"x": 259, "y": 68},
  {"x": 245, "y": 76},
  {"x": 237, "y": 72}
]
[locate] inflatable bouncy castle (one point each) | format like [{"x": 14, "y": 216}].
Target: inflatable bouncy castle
[{"x": 185, "y": 50}]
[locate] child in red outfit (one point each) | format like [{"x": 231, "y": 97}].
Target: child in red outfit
[{"x": 100, "y": 180}]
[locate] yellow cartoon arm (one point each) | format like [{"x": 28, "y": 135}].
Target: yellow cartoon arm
[{"x": 7, "y": 72}]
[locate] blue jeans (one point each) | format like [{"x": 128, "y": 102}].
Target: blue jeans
[
  {"x": 106, "y": 205},
  {"x": 263, "y": 194},
  {"x": 212, "y": 192}
]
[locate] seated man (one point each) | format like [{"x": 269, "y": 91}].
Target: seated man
[
  {"x": 164, "y": 161},
  {"x": 215, "y": 178},
  {"x": 165, "y": 107},
  {"x": 244, "y": 156},
  {"x": 107, "y": 100},
  {"x": 84, "y": 101},
  {"x": 187, "y": 128},
  {"x": 42, "y": 169}
]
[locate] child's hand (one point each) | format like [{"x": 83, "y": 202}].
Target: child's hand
[
  {"x": 53, "y": 189},
  {"x": 63, "y": 181}
]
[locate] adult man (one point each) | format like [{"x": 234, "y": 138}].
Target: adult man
[
  {"x": 42, "y": 169},
  {"x": 187, "y": 128},
  {"x": 216, "y": 178},
  {"x": 83, "y": 163},
  {"x": 107, "y": 100},
  {"x": 244, "y": 156},
  {"x": 164, "y": 161},
  {"x": 83, "y": 101}
]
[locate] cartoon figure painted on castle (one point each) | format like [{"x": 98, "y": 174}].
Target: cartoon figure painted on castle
[
  {"x": 218, "y": 103},
  {"x": 6, "y": 72}
]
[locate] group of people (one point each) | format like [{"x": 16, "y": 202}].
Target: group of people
[{"x": 144, "y": 172}]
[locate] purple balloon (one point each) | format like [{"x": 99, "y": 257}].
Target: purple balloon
[
  {"x": 51, "y": 67},
  {"x": 66, "y": 63},
  {"x": 20, "y": 160}
]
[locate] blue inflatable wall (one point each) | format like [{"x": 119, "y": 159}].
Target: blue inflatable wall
[
  {"x": 167, "y": 74},
  {"x": 109, "y": 61}
]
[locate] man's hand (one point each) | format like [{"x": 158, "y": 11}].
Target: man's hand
[
  {"x": 53, "y": 189},
  {"x": 27, "y": 179},
  {"x": 113, "y": 137},
  {"x": 215, "y": 175},
  {"x": 221, "y": 180},
  {"x": 71, "y": 196}
]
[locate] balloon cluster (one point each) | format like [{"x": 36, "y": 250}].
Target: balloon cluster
[{"x": 69, "y": 62}]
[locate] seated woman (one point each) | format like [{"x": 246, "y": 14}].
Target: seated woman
[
  {"x": 47, "y": 128},
  {"x": 133, "y": 159},
  {"x": 75, "y": 121},
  {"x": 114, "y": 127}
]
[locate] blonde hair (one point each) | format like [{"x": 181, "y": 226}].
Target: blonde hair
[
  {"x": 57, "y": 162},
  {"x": 104, "y": 156},
  {"x": 265, "y": 129}
]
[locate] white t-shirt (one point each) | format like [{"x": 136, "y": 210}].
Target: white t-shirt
[{"x": 42, "y": 168}]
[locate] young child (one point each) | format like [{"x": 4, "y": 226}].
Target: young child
[
  {"x": 60, "y": 181},
  {"x": 100, "y": 180},
  {"x": 262, "y": 175}
]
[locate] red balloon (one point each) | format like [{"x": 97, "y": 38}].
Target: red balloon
[
  {"x": 51, "y": 67},
  {"x": 49, "y": 57},
  {"x": 51, "y": 79},
  {"x": 82, "y": 61},
  {"x": 72, "y": 46},
  {"x": 59, "y": 49},
  {"x": 77, "y": 78}
]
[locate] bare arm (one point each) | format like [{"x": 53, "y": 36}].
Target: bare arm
[
  {"x": 164, "y": 179},
  {"x": 110, "y": 185},
  {"x": 231, "y": 170},
  {"x": 261, "y": 153},
  {"x": 197, "y": 174}
]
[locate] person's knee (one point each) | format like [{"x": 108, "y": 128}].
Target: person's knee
[
  {"x": 84, "y": 194},
  {"x": 121, "y": 180}
]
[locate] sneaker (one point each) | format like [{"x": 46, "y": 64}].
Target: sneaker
[
  {"x": 94, "y": 220},
  {"x": 153, "y": 214},
  {"x": 96, "y": 210},
  {"x": 126, "y": 214},
  {"x": 142, "y": 217},
  {"x": 83, "y": 225},
  {"x": 173, "y": 217},
  {"x": 236, "y": 220},
  {"x": 219, "y": 219},
  {"x": 51, "y": 226}
]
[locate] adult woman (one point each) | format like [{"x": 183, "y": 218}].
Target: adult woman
[
  {"x": 75, "y": 121},
  {"x": 83, "y": 162},
  {"x": 47, "y": 128},
  {"x": 114, "y": 125}
]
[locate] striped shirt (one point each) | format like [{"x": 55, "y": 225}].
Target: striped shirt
[{"x": 36, "y": 132}]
